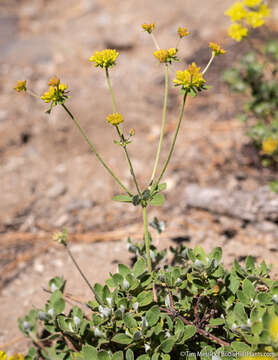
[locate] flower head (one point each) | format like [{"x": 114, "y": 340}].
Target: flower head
[
  {"x": 216, "y": 49},
  {"x": 54, "y": 81},
  {"x": 252, "y": 3},
  {"x": 148, "y": 27},
  {"x": 264, "y": 10},
  {"x": 269, "y": 146},
  {"x": 55, "y": 94},
  {"x": 16, "y": 357},
  {"x": 273, "y": 329},
  {"x": 182, "y": 32},
  {"x": 105, "y": 58},
  {"x": 256, "y": 357},
  {"x": 190, "y": 78},
  {"x": 3, "y": 355},
  {"x": 166, "y": 56},
  {"x": 237, "y": 32},
  {"x": 114, "y": 119},
  {"x": 237, "y": 11},
  {"x": 254, "y": 19},
  {"x": 20, "y": 86}
]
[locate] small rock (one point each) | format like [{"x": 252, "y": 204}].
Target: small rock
[
  {"x": 267, "y": 226},
  {"x": 38, "y": 266},
  {"x": 56, "y": 190},
  {"x": 78, "y": 204},
  {"x": 61, "y": 221}
]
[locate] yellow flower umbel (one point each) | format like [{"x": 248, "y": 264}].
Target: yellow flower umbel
[
  {"x": 237, "y": 11},
  {"x": 252, "y": 3},
  {"x": 166, "y": 56},
  {"x": 114, "y": 119},
  {"x": 3, "y": 355},
  {"x": 256, "y": 357},
  {"x": 105, "y": 58},
  {"x": 19, "y": 87},
  {"x": 148, "y": 27},
  {"x": 190, "y": 78},
  {"x": 269, "y": 146},
  {"x": 216, "y": 49},
  {"x": 182, "y": 32},
  {"x": 237, "y": 32},
  {"x": 16, "y": 357},
  {"x": 54, "y": 81},
  {"x": 273, "y": 329},
  {"x": 55, "y": 94}
]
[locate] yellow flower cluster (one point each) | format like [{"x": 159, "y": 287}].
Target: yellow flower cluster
[
  {"x": 105, "y": 58},
  {"x": 191, "y": 77},
  {"x": 114, "y": 119},
  {"x": 166, "y": 56},
  {"x": 256, "y": 357},
  {"x": 269, "y": 146},
  {"x": 148, "y": 27},
  {"x": 55, "y": 94},
  {"x": 182, "y": 32},
  {"x": 3, "y": 356},
  {"x": 20, "y": 86},
  {"x": 244, "y": 14},
  {"x": 216, "y": 49}
]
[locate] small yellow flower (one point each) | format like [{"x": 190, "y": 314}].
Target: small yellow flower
[
  {"x": 237, "y": 32},
  {"x": 269, "y": 146},
  {"x": 20, "y": 86},
  {"x": 216, "y": 49},
  {"x": 264, "y": 10},
  {"x": 105, "y": 58},
  {"x": 54, "y": 81},
  {"x": 161, "y": 55},
  {"x": 3, "y": 355},
  {"x": 237, "y": 11},
  {"x": 55, "y": 94},
  {"x": 148, "y": 27},
  {"x": 172, "y": 52},
  {"x": 254, "y": 19},
  {"x": 114, "y": 119},
  {"x": 252, "y": 3},
  {"x": 189, "y": 77},
  {"x": 182, "y": 32}
]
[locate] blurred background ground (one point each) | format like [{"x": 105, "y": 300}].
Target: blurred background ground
[{"x": 50, "y": 180}]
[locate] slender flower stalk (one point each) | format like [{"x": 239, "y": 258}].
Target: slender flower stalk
[
  {"x": 95, "y": 151},
  {"x": 209, "y": 63},
  {"x": 162, "y": 124},
  {"x": 155, "y": 41},
  {"x": 147, "y": 239},
  {"x": 172, "y": 145},
  {"x": 120, "y": 132}
]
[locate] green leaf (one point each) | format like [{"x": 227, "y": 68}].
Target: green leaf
[
  {"x": 243, "y": 298},
  {"x": 189, "y": 331},
  {"x": 145, "y": 298},
  {"x": 167, "y": 345},
  {"x": 119, "y": 355},
  {"x": 234, "y": 284},
  {"x": 129, "y": 355},
  {"x": 89, "y": 353},
  {"x": 200, "y": 254},
  {"x": 240, "y": 312},
  {"x": 129, "y": 321},
  {"x": 143, "y": 357},
  {"x": 123, "y": 270},
  {"x": 249, "y": 263},
  {"x": 122, "y": 198},
  {"x": 161, "y": 187},
  {"x": 248, "y": 288},
  {"x": 103, "y": 355},
  {"x": 216, "y": 254},
  {"x": 264, "y": 298},
  {"x": 274, "y": 186},
  {"x": 122, "y": 339},
  {"x": 217, "y": 321},
  {"x": 98, "y": 292},
  {"x": 157, "y": 200},
  {"x": 152, "y": 315},
  {"x": 240, "y": 346},
  {"x": 139, "y": 267}
]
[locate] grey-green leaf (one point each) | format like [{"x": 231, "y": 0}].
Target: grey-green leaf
[
  {"x": 122, "y": 339},
  {"x": 122, "y": 198},
  {"x": 157, "y": 200},
  {"x": 139, "y": 267}
]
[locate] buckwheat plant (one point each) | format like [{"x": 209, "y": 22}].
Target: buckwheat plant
[{"x": 189, "y": 307}]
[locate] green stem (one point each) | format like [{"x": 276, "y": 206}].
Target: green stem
[
  {"x": 172, "y": 145},
  {"x": 209, "y": 63},
  {"x": 95, "y": 151},
  {"x": 147, "y": 239},
  {"x": 162, "y": 124},
  {"x": 120, "y": 132},
  {"x": 79, "y": 270}
]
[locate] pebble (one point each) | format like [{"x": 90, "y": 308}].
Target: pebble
[
  {"x": 56, "y": 190},
  {"x": 79, "y": 204},
  {"x": 61, "y": 221}
]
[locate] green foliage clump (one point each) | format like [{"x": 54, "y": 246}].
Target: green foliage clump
[
  {"x": 191, "y": 304},
  {"x": 256, "y": 76}
]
